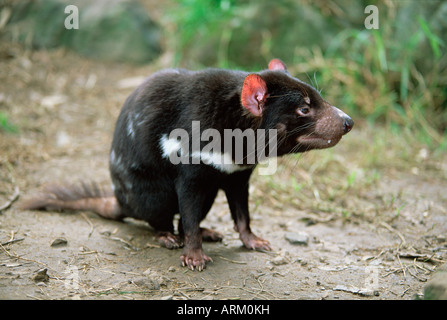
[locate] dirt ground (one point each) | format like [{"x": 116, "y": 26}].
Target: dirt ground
[{"x": 65, "y": 108}]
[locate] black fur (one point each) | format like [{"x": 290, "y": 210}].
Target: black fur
[{"x": 150, "y": 187}]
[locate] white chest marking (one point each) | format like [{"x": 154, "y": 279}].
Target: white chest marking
[{"x": 220, "y": 161}]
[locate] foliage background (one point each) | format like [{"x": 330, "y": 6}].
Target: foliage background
[
  {"x": 378, "y": 198},
  {"x": 395, "y": 76}
]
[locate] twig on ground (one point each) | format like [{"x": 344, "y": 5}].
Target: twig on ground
[
  {"x": 390, "y": 228},
  {"x": 421, "y": 257},
  {"x": 252, "y": 291},
  {"x": 12, "y": 241},
  {"x": 403, "y": 269},
  {"x": 233, "y": 261},
  {"x": 15, "y": 256},
  {"x": 125, "y": 242},
  {"x": 89, "y": 222},
  {"x": 11, "y": 200},
  {"x": 403, "y": 293}
]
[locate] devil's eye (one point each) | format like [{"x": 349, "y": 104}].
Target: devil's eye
[{"x": 303, "y": 111}]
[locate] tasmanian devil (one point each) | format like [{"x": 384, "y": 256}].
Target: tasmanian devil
[{"x": 169, "y": 153}]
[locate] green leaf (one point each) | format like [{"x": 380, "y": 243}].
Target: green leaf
[{"x": 435, "y": 41}]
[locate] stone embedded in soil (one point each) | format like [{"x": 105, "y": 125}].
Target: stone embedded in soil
[
  {"x": 279, "y": 260},
  {"x": 298, "y": 238},
  {"x": 366, "y": 292},
  {"x": 147, "y": 283},
  {"x": 41, "y": 276},
  {"x": 59, "y": 242},
  {"x": 156, "y": 277}
]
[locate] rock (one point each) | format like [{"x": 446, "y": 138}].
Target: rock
[
  {"x": 301, "y": 261},
  {"x": 350, "y": 289},
  {"x": 50, "y": 102},
  {"x": 298, "y": 238},
  {"x": 279, "y": 260},
  {"x": 59, "y": 242},
  {"x": 360, "y": 291},
  {"x": 147, "y": 283},
  {"x": 368, "y": 292},
  {"x": 113, "y": 30},
  {"x": 436, "y": 288},
  {"x": 63, "y": 140},
  {"x": 156, "y": 277},
  {"x": 41, "y": 276}
]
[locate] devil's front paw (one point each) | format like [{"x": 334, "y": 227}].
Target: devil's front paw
[{"x": 194, "y": 259}]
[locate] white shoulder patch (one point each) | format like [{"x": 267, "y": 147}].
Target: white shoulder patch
[
  {"x": 220, "y": 161},
  {"x": 169, "y": 146}
]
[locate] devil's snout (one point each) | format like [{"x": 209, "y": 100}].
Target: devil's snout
[{"x": 348, "y": 123}]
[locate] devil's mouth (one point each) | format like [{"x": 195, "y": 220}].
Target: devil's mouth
[{"x": 316, "y": 142}]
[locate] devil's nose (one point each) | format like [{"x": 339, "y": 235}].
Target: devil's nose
[{"x": 349, "y": 123}]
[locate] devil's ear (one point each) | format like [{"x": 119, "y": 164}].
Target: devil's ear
[
  {"x": 254, "y": 94},
  {"x": 277, "y": 64}
]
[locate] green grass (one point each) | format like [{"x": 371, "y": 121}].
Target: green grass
[
  {"x": 6, "y": 125},
  {"x": 372, "y": 85},
  {"x": 346, "y": 180},
  {"x": 395, "y": 76}
]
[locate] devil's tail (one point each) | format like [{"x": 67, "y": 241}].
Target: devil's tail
[{"x": 81, "y": 196}]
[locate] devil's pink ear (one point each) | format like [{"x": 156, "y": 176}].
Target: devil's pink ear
[
  {"x": 254, "y": 94},
  {"x": 277, "y": 64}
]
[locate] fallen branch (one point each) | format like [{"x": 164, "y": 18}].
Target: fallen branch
[
  {"x": 421, "y": 257},
  {"x": 89, "y": 222},
  {"x": 233, "y": 261},
  {"x": 12, "y": 241},
  {"x": 15, "y": 256},
  {"x": 391, "y": 229}
]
